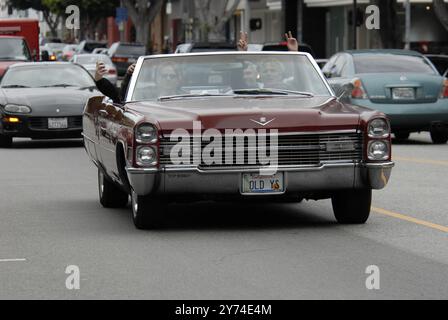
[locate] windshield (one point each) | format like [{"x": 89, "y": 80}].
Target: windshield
[
  {"x": 14, "y": 49},
  {"x": 46, "y": 75},
  {"x": 240, "y": 74},
  {"x": 92, "y": 59},
  {"x": 391, "y": 63}
]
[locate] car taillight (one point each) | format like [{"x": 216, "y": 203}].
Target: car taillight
[
  {"x": 117, "y": 59},
  {"x": 112, "y": 71},
  {"x": 358, "y": 91},
  {"x": 52, "y": 57},
  {"x": 444, "y": 94}
]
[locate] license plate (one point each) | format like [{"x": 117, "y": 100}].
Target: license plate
[
  {"x": 258, "y": 184},
  {"x": 403, "y": 93},
  {"x": 57, "y": 123}
]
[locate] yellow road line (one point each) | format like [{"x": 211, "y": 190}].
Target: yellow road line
[
  {"x": 423, "y": 161},
  {"x": 410, "y": 219}
]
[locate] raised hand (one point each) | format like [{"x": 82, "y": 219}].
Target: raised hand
[
  {"x": 131, "y": 69},
  {"x": 292, "y": 43},
  {"x": 101, "y": 71},
  {"x": 243, "y": 42}
]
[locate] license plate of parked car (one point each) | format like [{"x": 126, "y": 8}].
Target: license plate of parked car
[
  {"x": 260, "y": 184},
  {"x": 403, "y": 93},
  {"x": 57, "y": 123}
]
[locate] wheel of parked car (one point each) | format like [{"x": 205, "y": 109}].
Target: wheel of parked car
[
  {"x": 352, "y": 206},
  {"x": 5, "y": 142},
  {"x": 146, "y": 212},
  {"x": 439, "y": 136},
  {"x": 401, "y": 136},
  {"x": 111, "y": 196}
]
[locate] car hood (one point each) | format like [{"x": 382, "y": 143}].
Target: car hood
[
  {"x": 46, "y": 101},
  {"x": 283, "y": 113}
]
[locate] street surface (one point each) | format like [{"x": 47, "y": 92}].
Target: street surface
[{"x": 51, "y": 218}]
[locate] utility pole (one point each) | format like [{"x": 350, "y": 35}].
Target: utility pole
[
  {"x": 355, "y": 27},
  {"x": 407, "y": 5}
]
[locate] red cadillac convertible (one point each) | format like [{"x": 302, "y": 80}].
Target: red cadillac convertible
[{"x": 235, "y": 126}]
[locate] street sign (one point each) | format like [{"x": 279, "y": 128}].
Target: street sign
[{"x": 121, "y": 15}]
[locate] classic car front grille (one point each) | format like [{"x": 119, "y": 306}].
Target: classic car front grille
[
  {"x": 293, "y": 150},
  {"x": 41, "y": 123}
]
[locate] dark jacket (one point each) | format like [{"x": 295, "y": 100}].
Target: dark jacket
[{"x": 109, "y": 90}]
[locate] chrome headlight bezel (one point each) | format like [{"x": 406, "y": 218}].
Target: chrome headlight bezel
[
  {"x": 146, "y": 133},
  {"x": 386, "y": 150},
  {"x": 17, "y": 109},
  {"x": 140, "y": 152},
  {"x": 378, "y": 128}
]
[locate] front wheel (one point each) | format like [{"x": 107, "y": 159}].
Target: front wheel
[
  {"x": 352, "y": 206},
  {"x": 5, "y": 141},
  {"x": 111, "y": 196},
  {"x": 147, "y": 212}
]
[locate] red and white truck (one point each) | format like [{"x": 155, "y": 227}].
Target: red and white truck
[{"x": 19, "y": 42}]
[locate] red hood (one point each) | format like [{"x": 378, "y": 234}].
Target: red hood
[
  {"x": 286, "y": 113},
  {"x": 4, "y": 65}
]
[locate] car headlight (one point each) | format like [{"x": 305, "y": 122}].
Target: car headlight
[
  {"x": 13, "y": 108},
  {"x": 379, "y": 128},
  {"x": 146, "y": 133},
  {"x": 379, "y": 150},
  {"x": 146, "y": 156}
]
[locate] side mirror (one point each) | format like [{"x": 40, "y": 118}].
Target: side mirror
[{"x": 343, "y": 91}]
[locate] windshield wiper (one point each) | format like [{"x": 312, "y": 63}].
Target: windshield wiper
[
  {"x": 13, "y": 86},
  {"x": 180, "y": 96},
  {"x": 62, "y": 85},
  {"x": 273, "y": 92}
]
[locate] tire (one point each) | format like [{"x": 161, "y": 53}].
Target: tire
[
  {"x": 352, "y": 206},
  {"x": 147, "y": 212},
  {"x": 5, "y": 141},
  {"x": 111, "y": 196},
  {"x": 439, "y": 136},
  {"x": 402, "y": 136}
]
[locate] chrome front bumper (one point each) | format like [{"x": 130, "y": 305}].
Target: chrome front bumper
[{"x": 192, "y": 180}]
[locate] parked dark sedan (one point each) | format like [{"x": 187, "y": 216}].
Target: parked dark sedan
[{"x": 43, "y": 101}]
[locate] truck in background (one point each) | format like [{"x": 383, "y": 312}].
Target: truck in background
[{"x": 19, "y": 42}]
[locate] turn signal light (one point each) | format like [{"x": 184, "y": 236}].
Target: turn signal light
[
  {"x": 52, "y": 57},
  {"x": 12, "y": 119},
  {"x": 358, "y": 91}
]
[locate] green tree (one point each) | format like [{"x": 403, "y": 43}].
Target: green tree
[{"x": 143, "y": 13}]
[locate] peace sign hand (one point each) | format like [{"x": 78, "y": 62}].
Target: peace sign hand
[{"x": 292, "y": 43}]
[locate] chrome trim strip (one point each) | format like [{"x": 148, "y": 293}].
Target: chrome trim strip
[
  {"x": 85, "y": 136},
  {"x": 301, "y": 133}
]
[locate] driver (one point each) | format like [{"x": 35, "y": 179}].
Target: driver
[{"x": 273, "y": 74}]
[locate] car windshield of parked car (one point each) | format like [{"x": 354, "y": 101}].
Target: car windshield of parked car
[
  {"x": 14, "y": 49},
  {"x": 391, "y": 63},
  {"x": 228, "y": 74},
  {"x": 40, "y": 76},
  {"x": 93, "y": 59}
]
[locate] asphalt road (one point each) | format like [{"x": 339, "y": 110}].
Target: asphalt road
[{"x": 51, "y": 218}]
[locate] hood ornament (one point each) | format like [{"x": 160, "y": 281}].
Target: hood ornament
[
  {"x": 403, "y": 78},
  {"x": 263, "y": 121}
]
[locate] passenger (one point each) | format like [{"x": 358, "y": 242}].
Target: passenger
[{"x": 273, "y": 74}]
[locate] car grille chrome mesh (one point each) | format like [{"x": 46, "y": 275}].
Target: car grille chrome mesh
[
  {"x": 292, "y": 150},
  {"x": 41, "y": 123}
]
